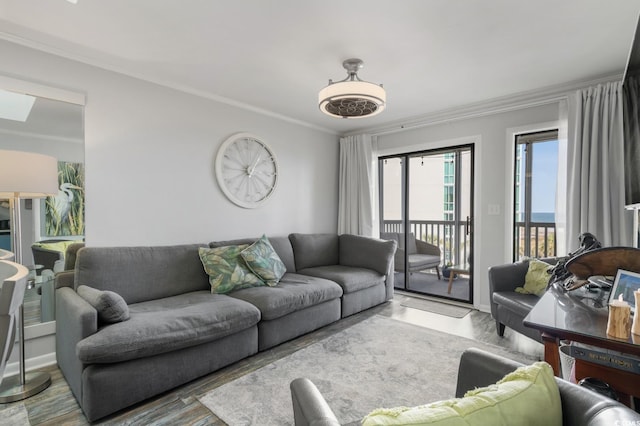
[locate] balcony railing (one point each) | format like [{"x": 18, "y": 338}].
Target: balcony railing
[
  {"x": 540, "y": 241},
  {"x": 452, "y": 238},
  {"x": 455, "y": 244}
]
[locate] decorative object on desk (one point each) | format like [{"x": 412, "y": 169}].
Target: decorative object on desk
[
  {"x": 24, "y": 175},
  {"x": 635, "y": 328},
  {"x": 624, "y": 285},
  {"x": 619, "y": 322},
  {"x": 604, "y": 261},
  {"x": 561, "y": 275}
]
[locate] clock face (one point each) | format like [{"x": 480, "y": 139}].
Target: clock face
[{"x": 246, "y": 170}]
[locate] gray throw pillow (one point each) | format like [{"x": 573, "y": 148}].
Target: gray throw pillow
[{"x": 111, "y": 306}]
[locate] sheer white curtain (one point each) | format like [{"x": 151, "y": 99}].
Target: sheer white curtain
[
  {"x": 595, "y": 182},
  {"x": 561, "y": 189},
  {"x": 356, "y": 186}
]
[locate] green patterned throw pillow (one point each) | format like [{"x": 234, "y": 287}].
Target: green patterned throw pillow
[
  {"x": 226, "y": 269},
  {"x": 263, "y": 261}
]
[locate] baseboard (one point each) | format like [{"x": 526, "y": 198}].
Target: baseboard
[
  {"x": 31, "y": 364},
  {"x": 484, "y": 308}
]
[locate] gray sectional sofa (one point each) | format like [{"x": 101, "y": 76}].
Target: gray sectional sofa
[{"x": 178, "y": 330}]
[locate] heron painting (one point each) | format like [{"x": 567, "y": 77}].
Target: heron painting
[{"x": 64, "y": 212}]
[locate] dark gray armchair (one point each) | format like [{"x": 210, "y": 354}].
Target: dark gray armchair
[
  {"x": 509, "y": 308},
  {"x": 422, "y": 255},
  {"x": 477, "y": 368}
]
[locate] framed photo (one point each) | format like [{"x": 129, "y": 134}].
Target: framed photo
[{"x": 625, "y": 284}]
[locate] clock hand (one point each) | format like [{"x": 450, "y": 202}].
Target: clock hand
[{"x": 255, "y": 164}]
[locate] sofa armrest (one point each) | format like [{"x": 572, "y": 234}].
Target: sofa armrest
[
  {"x": 309, "y": 407},
  {"x": 479, "y": 369},
  {"x": 365, "y": 252},
  {"x": 427, "y": 248},
  {"x": 64, "y": 279},
  {"x": 75, "y": 320}
]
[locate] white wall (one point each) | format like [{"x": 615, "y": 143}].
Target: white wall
[
  {"x": 149, "y": 155},
  {"x": 489, "y": 134}
]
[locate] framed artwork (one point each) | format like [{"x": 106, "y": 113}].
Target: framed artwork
[
  {"x": 64, "y": 212},
  {"x": 625, "y": 284}
]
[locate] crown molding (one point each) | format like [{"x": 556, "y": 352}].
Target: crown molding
[
  {"x": 42, "y": 47},
  {"x": 533, "y": 98},
  {"x": 40, "y": 136}
]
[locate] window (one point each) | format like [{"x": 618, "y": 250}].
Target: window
[{"x": 535, "y": 182}]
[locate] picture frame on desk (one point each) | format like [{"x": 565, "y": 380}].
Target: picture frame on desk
[{"x": 625, "y": 283}]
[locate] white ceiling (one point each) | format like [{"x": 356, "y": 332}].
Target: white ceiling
[{"x": 275, "y": 55}]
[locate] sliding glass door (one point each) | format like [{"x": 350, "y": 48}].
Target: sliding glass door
[{"x": 426, "y": 200}]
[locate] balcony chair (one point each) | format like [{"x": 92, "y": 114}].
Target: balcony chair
[{"x": 422, "y": 255}]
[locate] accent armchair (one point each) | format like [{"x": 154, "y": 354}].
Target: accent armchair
[{"x": 422, "y": 255}]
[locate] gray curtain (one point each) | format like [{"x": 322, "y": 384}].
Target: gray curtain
[
  {"x": 356, "y": 186},
  {"x": 595, "y": 181}
]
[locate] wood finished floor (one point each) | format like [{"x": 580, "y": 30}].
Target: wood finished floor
[{"x": 57, "y": 406}]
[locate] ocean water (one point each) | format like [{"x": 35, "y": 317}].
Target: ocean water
[{"x": 543, "y": 217}]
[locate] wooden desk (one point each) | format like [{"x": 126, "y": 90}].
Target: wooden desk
[{"x": 581, "y": 316}]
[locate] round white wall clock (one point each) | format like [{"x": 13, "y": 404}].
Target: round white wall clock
[{"x": 247, "y": 170}]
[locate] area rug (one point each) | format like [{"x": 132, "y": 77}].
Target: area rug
[
  {"x": 14, "y": 414},
  {"x": 436, "y": 307},
  {"x": 379, "y": 362}
]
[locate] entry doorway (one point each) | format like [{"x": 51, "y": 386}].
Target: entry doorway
[{"x": 426, "y": 205}]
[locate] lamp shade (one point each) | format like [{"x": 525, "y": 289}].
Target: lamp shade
[{"x": 27, "y": 175}]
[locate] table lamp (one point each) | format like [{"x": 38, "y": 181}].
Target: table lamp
[{"x": 24, "y": 175}]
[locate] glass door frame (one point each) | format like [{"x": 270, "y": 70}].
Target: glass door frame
[{"x": 459, "y": 222}]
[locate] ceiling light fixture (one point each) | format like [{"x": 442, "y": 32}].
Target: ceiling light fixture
[{"x": 352, "y": 97}]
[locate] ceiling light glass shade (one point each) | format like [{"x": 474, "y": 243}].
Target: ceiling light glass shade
[{"x": 352, "y": 99}]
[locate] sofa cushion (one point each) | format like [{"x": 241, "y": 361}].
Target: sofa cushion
[
  {"x": 264, "y": 262},
  {"x": 515, "y": 302},
  {"x": 111, "y": 306},
  {"x": 527, "y": 396},
  {"x": 312, "y": 250},
  {"x": 226, "y": 269},
  {"x": 351, "y": 279},
  {"x": 168, "y": 324},
  {"x": 294, "y": 292},
  {"x": 170, "y": 270}
]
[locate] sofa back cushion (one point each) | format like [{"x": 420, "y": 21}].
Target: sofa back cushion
[
  {"x": 281, "y": 245},
  {"x": 139, "y": 274},
  {"x": 311, "y": 250}
]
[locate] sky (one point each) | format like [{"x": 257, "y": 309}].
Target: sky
[{"x": 545, "y": 174}]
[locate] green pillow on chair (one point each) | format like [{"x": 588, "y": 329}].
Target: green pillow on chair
[
  {"x": 537, "y": 278},
  {"x": 528, "y": 396}
]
